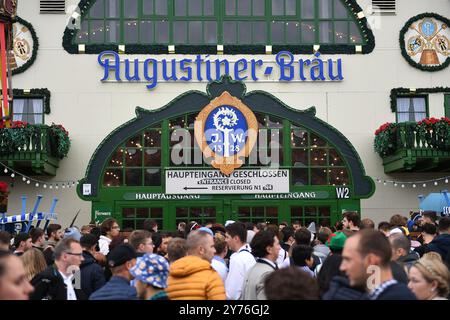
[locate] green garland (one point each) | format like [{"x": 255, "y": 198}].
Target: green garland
[
  {"x": 84, "y": 5},
  {"x": 20, "y": 134},
  {"x": 402, "y": 42},
  {"x": 35, "y": 46},
  {"x": 396, "y": 92},
  {"x": 43, "y": 93}
]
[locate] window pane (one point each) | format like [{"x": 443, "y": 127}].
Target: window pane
[
  {"x": 133, "y": 157},
  {"x": 153, "y": 177},
  {"x": 162, "y": 32},
  {"x": 112, "y": 31},
  {"x": 180, "y": 32},
  {"x": 341, "y": 32},
  {"x": 97, "y": 31},
  {"x": 402, "y": 104},
  {"x": 290, "y": 7},
  {"x": 210, "y": 32},
  {"x": 335, "y": 158},
  {"x": 161, "y": 7},
  {"x": 134, "y": 141},
  {"x": 419, "y": 116},
  {"x": 292, "y": 32},
  {"x": 300, "y": 158},
  {"x": 245, "y": 32},
  {"x": 130, "y": 32},
  {"x": 195, "y": 7},
  {"x": 156, "y": 213},
  {"x": 230, "y": 7},
  {"x": 146, "y": 32},
  {"x": 325, "y": 7},
  {"x": 318, "y": 157},
  {"x": 208, "y": 7},
  {"x": 258, "y": 7},
  {"x": 37, "y": 105},
  {"x": 299, "y": 138},
  {"x": 128, "y": 212},
  {"x": 180, "y": 7},
  {"x": 307, "y": 9},
  {"x": 326, "y": 32},
  {"x": 195, "y": 32},
  {"x": 112, "y": 178},
  {"x": 259, "y": 32},
  {"x": 243, "y": 212},
  {"x": 133, "y": 177},
  {"x": 258, "y": 212},
  {"x": 82, "y": 34},
  {"x": 355, "y": 36},
  {"x": 229, "y": 32},
  {"x": 316, "y": 141},
  {"x": 113, "y": 8},
  {"x": 277, "y": 32},
  {"x": 152, "y": 157},
  {"x": 142, "y": 213},
  {"x": 272, "y": 211},
  {"x": 299, "y": 177},
  {"x": 147, "y": 7},
  {"x": 419, "y": 104},
  {"x": 278, "y": 7},
  {"x": 318, "y": 176},
  {"x": 340, "y": 11},
  {"x": 131, "y": 9},
  {"x": 116, "y": 159},
  {"x": 339, "y": 176},
  {"x": 96, "y": 10},
  {"x": 243, "y": 7},
  {"x": 308, "y": 32}
]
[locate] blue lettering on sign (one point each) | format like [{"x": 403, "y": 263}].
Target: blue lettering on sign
[
  {"x": 284, "y": 68},
  {"x": 226, "y": 131}
]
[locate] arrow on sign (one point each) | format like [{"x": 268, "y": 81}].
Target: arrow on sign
[{"x": 195, "y": 188}]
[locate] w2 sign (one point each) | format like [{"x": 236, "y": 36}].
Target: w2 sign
[{"x": 343, "y": 193}]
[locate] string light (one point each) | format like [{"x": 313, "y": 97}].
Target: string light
[
  {"x": 414, "y": 184},
  {"x": 36, "y": 182}
]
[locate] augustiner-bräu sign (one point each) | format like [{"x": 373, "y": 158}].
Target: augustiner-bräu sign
[{"x": 284, "y": 67}]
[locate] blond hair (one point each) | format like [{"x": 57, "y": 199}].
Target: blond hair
[
  {"x": 34, "y": 262},
  {"x": 432, "y": 256},
  {"x": 432, "y": 269}
]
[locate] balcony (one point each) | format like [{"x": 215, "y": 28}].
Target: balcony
[
  {"x": 33, "y": 149},
  {"x": 415, "y": 147}
]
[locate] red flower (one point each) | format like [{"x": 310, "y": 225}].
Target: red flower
[
  {"x": 3, "y": 187},
  {"x": 18, "y": 124}
]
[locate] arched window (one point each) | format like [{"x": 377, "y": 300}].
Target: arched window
[{"x": 241, "y": 26}]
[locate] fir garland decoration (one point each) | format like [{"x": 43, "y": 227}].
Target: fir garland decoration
[
  {"x": 35, "y": 46},
  {"x": 403, "y": 47},
  {"x": 367, "y": 47},
  {"x": 42, "y": 93},
  {"x": 396, "y": 92}
]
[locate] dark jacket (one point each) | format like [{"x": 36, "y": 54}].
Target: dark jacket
[
  {"x": 117, "y": 288},
  {"x": 340, "y": 290},
  {"x": 398, "y": 272},
  {"x": 49, "y": 285},
  {"x": 92, "y": 276},
  {"x": 441, "y": 245},
  {"x": 398, "y": 291}
]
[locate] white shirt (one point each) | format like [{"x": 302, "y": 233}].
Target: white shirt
[
  {"x": 103, "y": 243},
  {"x": 68, "y": 282},
  {"x": 219, "y": 265},
  {"x": 282, "y": 256},
  {"x": 240, "y": 263}
]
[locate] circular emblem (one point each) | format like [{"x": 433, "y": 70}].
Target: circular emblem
[
  {"x": 24, "y": 46},
  {"x": 425, "y": 42},
  {"x": 226, "y": 130}
]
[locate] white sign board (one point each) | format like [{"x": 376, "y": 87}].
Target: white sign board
[
  {"x": 86, "y": 189},
  {"x": 238, "y": 182}
]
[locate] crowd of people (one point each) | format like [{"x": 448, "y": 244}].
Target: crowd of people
[{"x": 406, "y": 258}]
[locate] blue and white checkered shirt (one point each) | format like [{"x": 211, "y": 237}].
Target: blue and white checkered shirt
[{"x": 376, "y": 293}]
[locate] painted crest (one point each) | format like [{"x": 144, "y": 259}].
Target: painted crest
[
  {"x": 22, "y": 49},
  {"x": 427, "y": 42},
  {"x": 226, "y": 130}
]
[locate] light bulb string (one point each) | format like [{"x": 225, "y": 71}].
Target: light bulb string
[
  {"x": 27, "y": 178},
  {"x": 445, "y": 179}
]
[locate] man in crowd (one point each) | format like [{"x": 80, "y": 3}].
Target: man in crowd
[
  {"x": 384, "y": 227},
  {"x": 429, "y": 232},
  {"x": 38, "y": 238},
  {"x": 22, "y": 243},
  {"x": 192, "y": 276},
  {"x": 54, "y": 235},
  {"x": 351, "y": 221},
  {"x": 368, "y": 254},
  {"x": 56, "y": 282},
  {"x": 401, "y": 250},
  {"x": 265, "y": 247},
  {"x": 92, "y": 275},
  {"x": 288, "y": 238},
  {"x": 141, "y": 241},
  {"x": 367, "y": 224},
  {"x": 162, "y": 249},
  {"x": 176, "y": 249},
  {"x": 120, "y": 260},
  {"x": 441, "y": 244},
  {"x": 241, "y": 261},
  {"x": 429, "y": 217},
  {"x": 5, "y": 240}
]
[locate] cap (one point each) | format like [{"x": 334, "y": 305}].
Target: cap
[
  {"x": 121, "y": 254},
  {"x": 151, "y": 269},
  {"x": 72, "y": 233},
  {"x": 228, "y": 222},
  {"x": 207, "y": 230},
  {"x": 337, "y": 241}
]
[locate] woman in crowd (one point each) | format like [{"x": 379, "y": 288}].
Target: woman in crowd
[
  {"x": 33, "y": 262},
  {"x": 14, "y": 284},
  {"x": 429, "y": 278}
]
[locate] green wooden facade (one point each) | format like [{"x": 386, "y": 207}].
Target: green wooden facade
[{"x": 125, "y": 177}]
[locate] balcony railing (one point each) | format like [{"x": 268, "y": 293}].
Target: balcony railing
[
  {"x": 418, "y": 147},
  {"x": 33, "y": 149}
]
